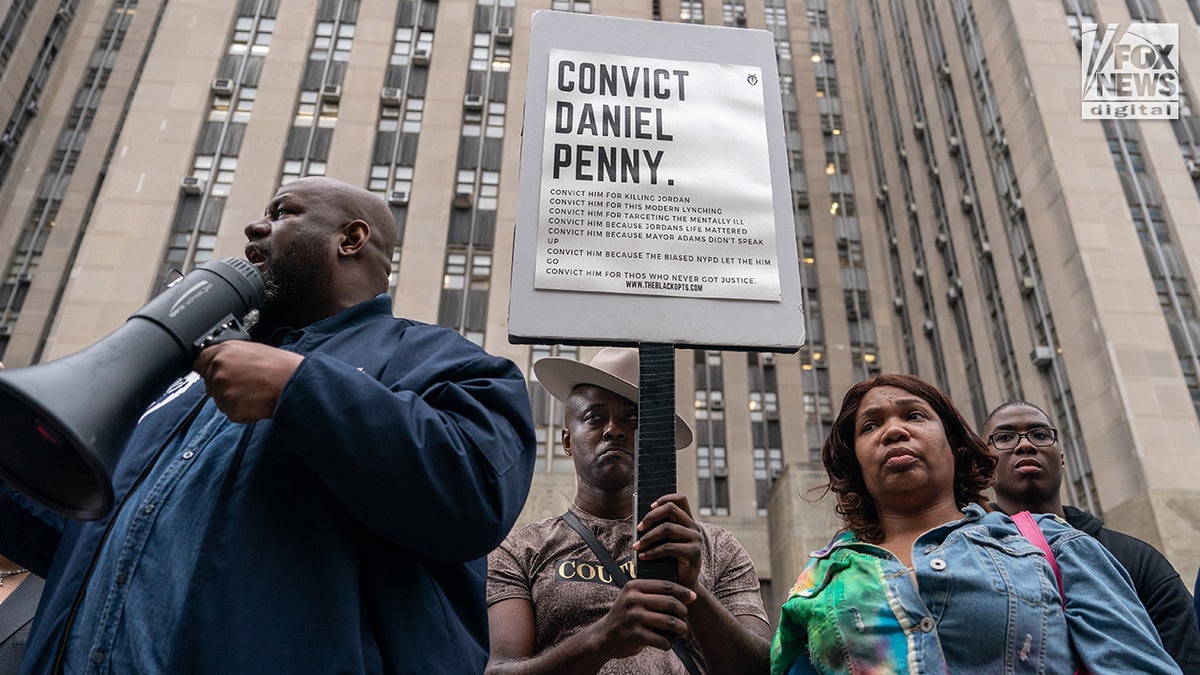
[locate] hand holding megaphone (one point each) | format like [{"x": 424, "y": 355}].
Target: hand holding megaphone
[{"x": 245, "y": 379}]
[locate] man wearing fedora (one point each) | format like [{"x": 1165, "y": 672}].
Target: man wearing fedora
[{"x": 553, "y": 606}]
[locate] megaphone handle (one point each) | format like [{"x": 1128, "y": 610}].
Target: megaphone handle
[{"x": 228, "y": 328}]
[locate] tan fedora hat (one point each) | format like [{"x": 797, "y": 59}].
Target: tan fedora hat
[{"x": 612, "y": 368}]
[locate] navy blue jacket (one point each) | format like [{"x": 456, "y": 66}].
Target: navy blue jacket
[{"x": 351, "y": 530}]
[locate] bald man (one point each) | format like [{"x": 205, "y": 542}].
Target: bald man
[{"x": 318, "y": 500}]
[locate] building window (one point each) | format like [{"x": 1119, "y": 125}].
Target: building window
[
  {"x": 712, "y": 462},
  {"x": 766, "y": 436},
  {"x": 548, "y": 414},
  {"x": 481, "y": 142}
]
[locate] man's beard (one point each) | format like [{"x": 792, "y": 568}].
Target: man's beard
[{"x": 292, "y": 279}]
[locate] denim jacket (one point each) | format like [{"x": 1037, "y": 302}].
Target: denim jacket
[{"x": 984, "y": 601}]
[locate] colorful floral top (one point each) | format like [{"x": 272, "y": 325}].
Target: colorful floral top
[{"x": 984, "y": 600}]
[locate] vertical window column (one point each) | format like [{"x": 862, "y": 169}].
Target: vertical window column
[
  {"x": 472, "y": 231},
  {"x": 1046, "y": 354},
  {"x": 895, "y": 269},
  {"x": 712, "y": 466},
  {"x": 27, "y": 102},
  {"x": 766, "y": 435},
  {"x": 776, "y": 16},
  {"x": 234, "y": 90},
  {"x": 1005, "y": 352},
  {"x": 11, "y": 29},
  {"x": 548, "y": 414},
  {"x": 818, "y": 404},
  {"x": 401, "y": 113},
  {"x": 40, "y": 222},
  {"x": 943, "y": 235},
  {"x": 315, "y": 120},
  {"x": 691, "y": 11},
  {"x": 1168, "y": 269},
  {"x": 733, "y": 13},
  {"x": 1172, "y": 280},
  {"x": 843, "y": 208},
  {"x": 908, "y": 203}
]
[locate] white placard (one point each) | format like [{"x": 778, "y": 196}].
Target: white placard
[
  {"x": 632, "y": 200},
  {"x": 653, "y": 152}
]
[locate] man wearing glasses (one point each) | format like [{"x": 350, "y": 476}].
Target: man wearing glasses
[{"x": 1029, "y": 474}]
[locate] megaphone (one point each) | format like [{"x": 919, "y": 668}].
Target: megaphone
[{"x": 64, "y": 424}]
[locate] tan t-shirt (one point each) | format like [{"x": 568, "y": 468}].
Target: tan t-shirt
[{"x": 550, "y": 565}]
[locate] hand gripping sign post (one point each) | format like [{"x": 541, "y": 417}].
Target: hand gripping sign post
[{"x": 654, "y": 207}]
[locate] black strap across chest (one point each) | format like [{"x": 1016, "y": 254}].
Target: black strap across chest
[{"x": 621, "y": 578}]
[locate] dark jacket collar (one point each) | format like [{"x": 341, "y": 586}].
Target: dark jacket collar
[
  {"x": 380, "y": 304},
  {"x": 1083, "y": 520}
]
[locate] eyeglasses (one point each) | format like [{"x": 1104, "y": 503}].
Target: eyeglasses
[{"x": 1040, "y": 437}]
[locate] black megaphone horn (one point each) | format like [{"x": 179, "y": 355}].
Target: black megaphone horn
[{"x": 64, "y": 424}]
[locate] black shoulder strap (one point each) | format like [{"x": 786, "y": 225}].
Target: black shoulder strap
[
  {"x": 621, "y": 578},
  {"x": 602, "y": 553}
]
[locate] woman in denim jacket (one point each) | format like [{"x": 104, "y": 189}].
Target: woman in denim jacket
[{"x": 926, "y": 580}]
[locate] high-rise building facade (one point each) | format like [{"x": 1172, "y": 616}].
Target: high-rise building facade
[{"x": 955, "y": 215}]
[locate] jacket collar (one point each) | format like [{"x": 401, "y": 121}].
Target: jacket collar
[
  {"x": 1083, "y": 520},
  {"x": 971, "y": 513},
  {"x": 376, "y": 306}
]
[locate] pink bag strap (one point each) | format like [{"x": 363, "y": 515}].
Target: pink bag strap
[
  {"x": 1033, "y": 532},
  {"x": 1029, "y": 527}
]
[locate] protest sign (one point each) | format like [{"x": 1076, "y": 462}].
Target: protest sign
[{"x": 654, "y": 200}]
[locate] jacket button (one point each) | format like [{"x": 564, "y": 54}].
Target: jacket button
[
  {"x": 926, "y": 624},
  {"x": 938, "y": 564}
]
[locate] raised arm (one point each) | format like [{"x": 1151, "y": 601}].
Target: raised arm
[{"x": 400, "y": 420}]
